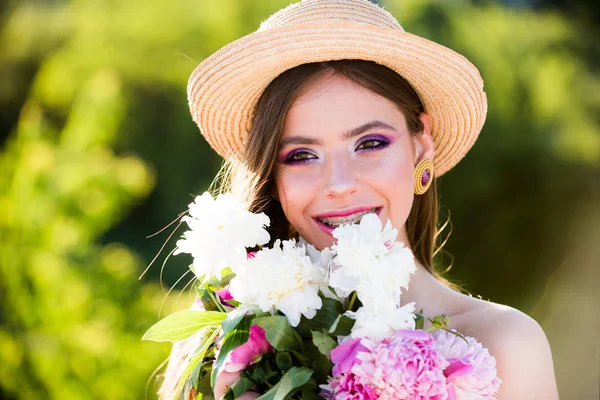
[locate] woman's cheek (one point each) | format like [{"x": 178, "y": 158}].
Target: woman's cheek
[
  {"x": 391, "y": 177},
  {"x": 402, "y": 197},
  {"x": 297, "y": 188}
]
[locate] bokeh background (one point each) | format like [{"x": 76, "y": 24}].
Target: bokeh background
[{"x": 98, "y": 152}]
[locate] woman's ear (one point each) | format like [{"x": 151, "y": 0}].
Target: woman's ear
[{"x": 424, "y": 148}]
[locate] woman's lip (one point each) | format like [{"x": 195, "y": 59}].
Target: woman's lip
[
  {"x": 346, "y": 212},
  {"x": 329, "y": 229}
]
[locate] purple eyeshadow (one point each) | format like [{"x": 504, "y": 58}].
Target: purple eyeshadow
[
  {"x": 384, "y": 142},
  {"x": 376, "y": 137},
  {"x": 288, "y": 158}
]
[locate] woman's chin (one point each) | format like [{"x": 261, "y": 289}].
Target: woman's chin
[
  {"x": 324, "y": 241},
  {"x": 319, "y": 239}
]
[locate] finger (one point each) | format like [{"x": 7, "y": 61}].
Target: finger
[{"x": 224, "y": 380}]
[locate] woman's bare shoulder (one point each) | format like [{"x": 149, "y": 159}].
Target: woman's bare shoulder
[
  {"x": 519, "y": 344},
  {"x": 483, "y": 317}
]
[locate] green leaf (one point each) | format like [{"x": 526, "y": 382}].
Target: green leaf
[
  {"x": 330, "y": 315},
  {"x": 232, "y": 340},
  {"x": 419, "y": 319},
  {"x": 324, "y": 343},
  {"x": 226, "y": 276},
  {"x": 292, "y": 379},
  {"x": 283, "y": 359},
  {"x": 319, "y": 363},
  {"x": 195, "y": 374},
  {"x": 344, "y": 327},
  {"x": 309, "y": 391},
  {"x": 239, "y": 387},
  {"x": 183, "y": 324},
  {"x": 204, "y": 292},
  {"x": 234, "y": 317},
  {"x": 232, "y": 320},
  {"x": 204, "y": 387},
  {"x": 264, "y": 373},
  {"x": 235, "y": 304},
  {"x": 258, "y": 375},
  {"x": 278, "y": 332},
  {"x": 440, "y": 321},
  {"x": 305, "y": 358},
  {"x": 197, "y": 358}
]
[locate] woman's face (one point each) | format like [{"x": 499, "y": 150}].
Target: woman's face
[{"x": 346, "y": 151}]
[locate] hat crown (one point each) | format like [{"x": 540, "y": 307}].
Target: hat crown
[{"x": 353, "y": 11}]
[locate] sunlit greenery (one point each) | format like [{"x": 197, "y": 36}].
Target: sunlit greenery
[{"x": 98, "y": 151}]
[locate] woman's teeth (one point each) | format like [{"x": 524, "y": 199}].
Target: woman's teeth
[{"x": 350, "y": 219}]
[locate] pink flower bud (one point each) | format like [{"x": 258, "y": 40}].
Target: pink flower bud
[
  {"x": 250, "y": 352},
  {"x": 225, "y": 295}
]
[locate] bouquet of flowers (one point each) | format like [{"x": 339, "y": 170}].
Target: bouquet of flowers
[{"x": 299, "y": 323}]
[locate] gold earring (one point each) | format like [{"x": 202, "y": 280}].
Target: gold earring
[{"x": 423, "y": 176}]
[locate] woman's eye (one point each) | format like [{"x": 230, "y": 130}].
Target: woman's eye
[
  {"x": 299, "y": 157},
  {"x": 372, "y": 144}
]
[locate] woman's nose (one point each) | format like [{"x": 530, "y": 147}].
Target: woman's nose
[{"x": 340, "y": 180}]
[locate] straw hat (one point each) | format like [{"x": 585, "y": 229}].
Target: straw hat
[{"x": 224, "y": 89}]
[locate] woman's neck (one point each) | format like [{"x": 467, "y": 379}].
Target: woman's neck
[{"x": 429, "y": 294}]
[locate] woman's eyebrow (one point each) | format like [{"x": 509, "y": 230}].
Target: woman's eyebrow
[
  {"x": 298, "y": 140},
  {"x": 367, "y": 127},
  {"x": 347, "y": 135}
]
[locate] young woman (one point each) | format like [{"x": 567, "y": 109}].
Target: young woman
[{"x": 331, "y": 111}]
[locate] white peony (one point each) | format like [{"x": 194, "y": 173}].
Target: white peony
[
  {"x": 370, "y": 261},
  {"x": 358, "y": 244},
  {"x": 323, "y": 260},
  {"x": 282, "y": 278},
  {"x": 379, "y": 322},
  {"x": 220, "y": 231}
]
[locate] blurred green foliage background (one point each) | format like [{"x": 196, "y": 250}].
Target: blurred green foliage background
[{"x": 98, "y": 151}]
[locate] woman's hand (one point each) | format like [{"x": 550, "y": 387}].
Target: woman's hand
[{"x": 226, "y": 379}]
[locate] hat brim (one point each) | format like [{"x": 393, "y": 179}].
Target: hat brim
[{"x": 224, "y": 88}]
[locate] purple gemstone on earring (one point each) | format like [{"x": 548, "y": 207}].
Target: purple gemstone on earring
[{"x": 425, "y": 177}]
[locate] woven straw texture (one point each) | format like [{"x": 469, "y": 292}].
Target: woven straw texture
[{"x": 224, "y": 88}]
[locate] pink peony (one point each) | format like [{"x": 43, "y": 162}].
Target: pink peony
[
  {"x": 348, "y": 387},
  {"x": 344, "y": 356},
  {"x": 405, "y": 365},
  {"x": 250, "y": 352},
  {"x": 471, "y": 373}
]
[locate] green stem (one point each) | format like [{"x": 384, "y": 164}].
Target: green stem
[{"x": 352, "y": 300}]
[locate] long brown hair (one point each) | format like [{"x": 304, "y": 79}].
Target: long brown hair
[{"x": 253, "y": 179}]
